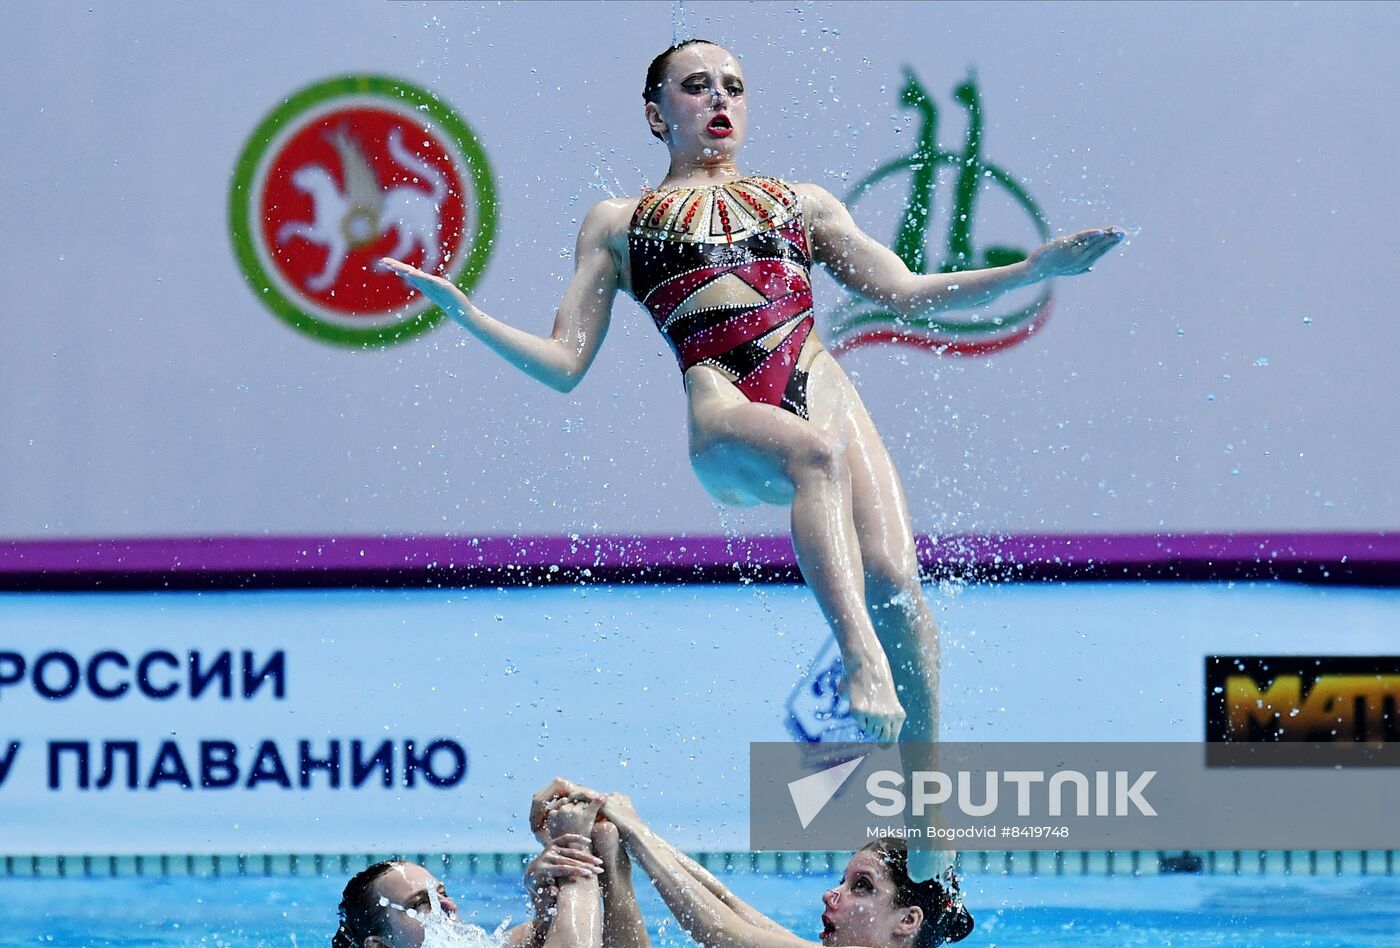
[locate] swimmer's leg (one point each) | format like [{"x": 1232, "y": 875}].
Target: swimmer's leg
[
  {"x": 898, "y": 610},
  {"x": 755, "y": 450}
]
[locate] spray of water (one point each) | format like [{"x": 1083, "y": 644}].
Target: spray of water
[
  {"x": 680, "y": 22},
  {"x": 441, "y": 930}
]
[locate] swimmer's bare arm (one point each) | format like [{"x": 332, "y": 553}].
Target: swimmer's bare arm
[
  {"x": 565, "y": 858},
  {"x": 560, "y": 359},
  {"x": 623, "y": 925},
  {"x": 867, "y": 267},
  {"x": 577, "y": 920},
  {"x": 702, "y": 913},
  {"x": 702, "y": 875},
  {"x": 559, "y": 787}
]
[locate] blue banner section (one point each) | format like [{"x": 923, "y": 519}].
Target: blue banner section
[{"x": 423, "y": 720}]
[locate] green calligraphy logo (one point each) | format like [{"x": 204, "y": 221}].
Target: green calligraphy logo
[{"x": 857, "y": 323}]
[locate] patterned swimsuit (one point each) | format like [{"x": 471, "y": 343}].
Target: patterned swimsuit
[{"x": 724, "y": 272}]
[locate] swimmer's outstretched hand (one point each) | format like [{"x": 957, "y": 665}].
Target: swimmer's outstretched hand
[
  {"x": 440, "y": 291},
  {"x": 1075, "y": 253}
]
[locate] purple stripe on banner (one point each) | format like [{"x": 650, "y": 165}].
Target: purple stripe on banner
[{"x": 352, "y": 554}]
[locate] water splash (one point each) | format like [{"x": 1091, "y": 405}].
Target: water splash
[
  {"x": 441, "y": 930},
  {"x": 604, "y": 178},
  {"x": 680, "y": 22}
]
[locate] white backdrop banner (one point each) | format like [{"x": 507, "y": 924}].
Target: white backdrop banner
[{"x": 193, "y": 345}]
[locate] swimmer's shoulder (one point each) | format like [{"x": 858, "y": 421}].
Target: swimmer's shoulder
[
  {"x": 606, "y": 225},
  {"x": 608, "y": 221},
  {"x": 611, "y": 216},
  {"x": 816, "y": 200}
]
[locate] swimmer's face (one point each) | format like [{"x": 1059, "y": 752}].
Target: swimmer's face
[
  {"x": 406, "y": 888},
  {"x": 702, "y": 110},
  {"x": 861, "y": 910}
]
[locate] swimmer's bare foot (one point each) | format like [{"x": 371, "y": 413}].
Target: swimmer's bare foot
[{"x": 869, "y": 687}]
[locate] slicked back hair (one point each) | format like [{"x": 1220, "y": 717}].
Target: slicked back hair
[
  {"x": 360, "y": 916},
  {"x": 944, "y": 919}
]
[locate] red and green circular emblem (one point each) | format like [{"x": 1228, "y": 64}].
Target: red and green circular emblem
[{"x": 343, "y": 173}]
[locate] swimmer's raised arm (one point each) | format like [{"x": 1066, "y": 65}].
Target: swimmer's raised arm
[
  {"x": 577, "y": 920},
  {"x": 743, "y": 909},
  {"x": 703, "y": 914},
  {"x": 623, "y": 925},
  {"x": 560, "y": 359},
  {"x": 567, "y": 857},
  {"x": 863, "y": 265}
]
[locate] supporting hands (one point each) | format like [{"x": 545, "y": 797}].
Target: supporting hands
[
  {"x": 565, "y": 857},
  {"x": 604, "y": 836},
  {"x": 573, "y": 816},
  {"x": 619, "y": 811},
  {"x": 1072, "y": 254},
  {"x": 556, "y": 789}
]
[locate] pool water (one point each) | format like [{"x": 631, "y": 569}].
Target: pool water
[{"x": 1258, "y": 911}]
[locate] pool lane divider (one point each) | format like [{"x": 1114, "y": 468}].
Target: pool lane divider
[
  {"x": 1273, "y": 863},
  {"x": 261, "y": 562}
]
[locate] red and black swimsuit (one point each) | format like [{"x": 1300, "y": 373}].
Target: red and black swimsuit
[{"x": 725, "y": 273}]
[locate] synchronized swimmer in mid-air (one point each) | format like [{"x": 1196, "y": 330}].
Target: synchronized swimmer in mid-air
[{"x": 721, "y": 260}]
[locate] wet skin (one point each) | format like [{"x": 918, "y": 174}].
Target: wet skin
[{"x": 849, "y": 517}]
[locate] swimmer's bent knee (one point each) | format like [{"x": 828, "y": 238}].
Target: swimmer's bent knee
[{"x": 820, "y": 459}]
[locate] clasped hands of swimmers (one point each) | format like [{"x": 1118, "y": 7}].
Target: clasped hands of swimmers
[
  {"x": 876, "y": 904},
  {"x": 585, "y": 866}
]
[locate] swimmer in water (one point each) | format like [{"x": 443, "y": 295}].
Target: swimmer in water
[
  {"x": 399, "y": 904},
  {"x": 721, "y": 260}
]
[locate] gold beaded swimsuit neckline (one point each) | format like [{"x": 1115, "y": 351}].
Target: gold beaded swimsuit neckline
[
  {"x": 724, "y": 271},
  {"x": 715, "y": 213}
]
